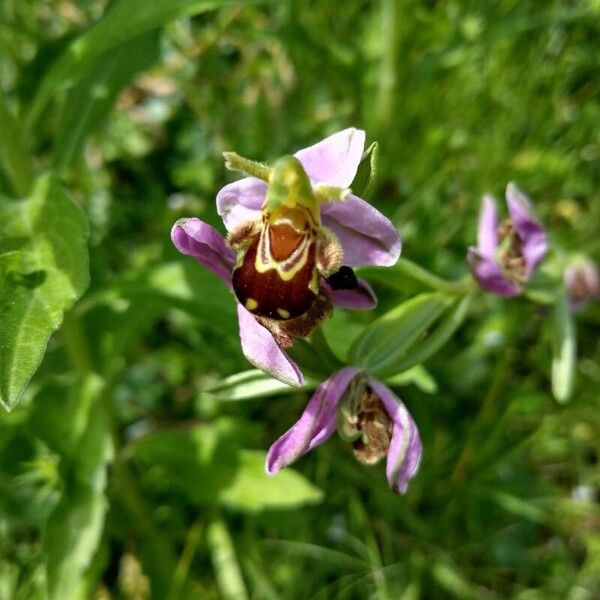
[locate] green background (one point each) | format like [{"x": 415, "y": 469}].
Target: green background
[{"x": 131, "y": 466}]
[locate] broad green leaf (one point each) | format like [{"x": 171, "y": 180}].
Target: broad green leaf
[
  {"x": 391, "y": 335},
  {"x": 196, "y": 462},
  {"x": 124, "y": 20},
  {"x": 247, "y": 385},
  {"x": 565, "y": 349},
  {"x": 49, "y": 232},
  {"x": 74, "y": 528},
  {"x": 89, "y": 102},
  {"x": 421, "y": 350},
  {"x": 15, "y": 160},
  {"x": 253, "y": 490}
]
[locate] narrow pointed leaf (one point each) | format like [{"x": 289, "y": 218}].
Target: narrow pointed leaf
[
  {"x": 421, "y": 350},
  {"x": 565, "y": 349},
  {"x": 392, "y": 334},
  {"x": 246, "y": 386}
]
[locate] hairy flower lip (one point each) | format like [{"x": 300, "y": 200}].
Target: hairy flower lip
[
  {"x": 484, "y": 257},
  {"x": 319, "y": 421},
  {"x": 367, "y": 238}
]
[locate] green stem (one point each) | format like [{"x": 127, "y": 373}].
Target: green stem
[
  {"x": 14, "y": 156},
  {"x": 410, "y": 269}
]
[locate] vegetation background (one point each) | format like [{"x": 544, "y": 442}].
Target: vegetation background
[{"x": 132, "y": 467}]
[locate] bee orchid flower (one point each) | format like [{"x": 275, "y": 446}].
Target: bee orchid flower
[
  {"x": 367, "y": 414},
  {"x": 294, "y": 233},
  {"x": 507, "y": 251}
]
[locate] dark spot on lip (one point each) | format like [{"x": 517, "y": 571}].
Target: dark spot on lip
[{"x": 344, "y": 279}]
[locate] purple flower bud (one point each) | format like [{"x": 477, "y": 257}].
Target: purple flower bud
[
  {"x": 507, "y": 252},
  {"x": 583, "y": 283}
]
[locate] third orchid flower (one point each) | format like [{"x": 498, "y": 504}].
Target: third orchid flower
[{"x": 507, "y": 251}]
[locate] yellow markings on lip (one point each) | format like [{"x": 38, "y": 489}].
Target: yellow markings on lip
[
  {"x": 284, "y": 314},
  {"x": 251, "y": 304}
]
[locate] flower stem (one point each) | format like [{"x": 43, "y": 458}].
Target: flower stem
[{"x": 414, "y": 271}]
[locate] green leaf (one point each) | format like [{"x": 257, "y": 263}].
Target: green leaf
[
  {"x": 74, "y": 528},
  {"x": 225, "y": 563},
  {"x": 417, "y": 376},
  {"x": 368, "y": 171},
  {"x": 198, "y": 462},
  {"x": 89, "y": 102},
  {"x": 247, "y": 385},
  {"x": 421, "y": 350},
  {"x": 565, "y": 349},
  {"x": 49, "y": 233},
  {"x": 14, "y": 156},
  {"x": 388, "y": 338},
  {"x": 124, "y": 20},
  {"x": 252, "y": 490},
  {"x": 61, "y": 414}
]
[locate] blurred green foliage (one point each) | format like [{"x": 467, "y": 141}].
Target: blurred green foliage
[{"x": 132, "y": 467}]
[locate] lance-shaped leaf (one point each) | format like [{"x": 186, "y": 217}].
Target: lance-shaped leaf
[
  {"x": 565, "y": 349},
  {"x": 400, "y": 360},
  {"x": 392, "y": 334},
  {"x": 45, "y": 239},
  {"x": 246, "y": 386}
]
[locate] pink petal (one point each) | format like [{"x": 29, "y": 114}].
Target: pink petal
[
  {"x": 534, "y": 241},
  {"x": 316, "y": 425},
  {"x": 404, "y": 454},
  {"x": 360, "y": 298},
  {"x": 261, "y": 349},
  {"x": 240, "y": 201},
  {"x": 202, "y": 241},
  {"x": 367, "y": 236},
  {"x": 335, "y": 159},
  {"x": 487, "y": 229},
  {"x": 488, "y": 274}
]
